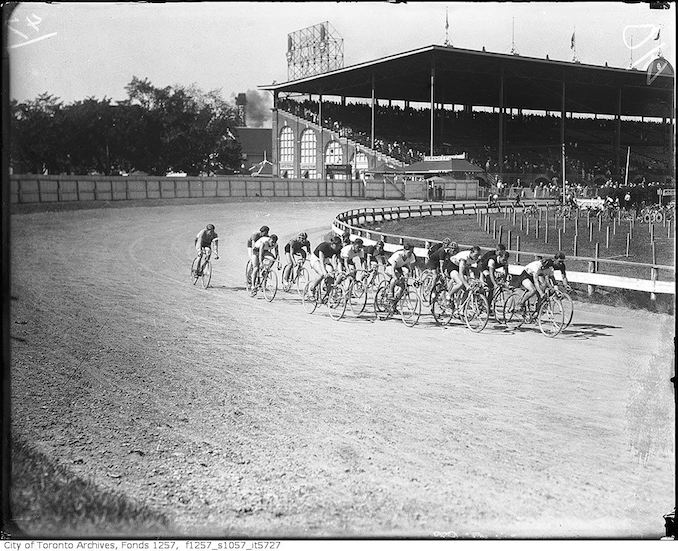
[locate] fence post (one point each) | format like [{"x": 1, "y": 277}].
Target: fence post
[
  {"x": 517, "y": 249},
  {"x": 514, "y": 217},
  {"x": 628, "y": 244},
  {"x": 592, "y": 269},
  {"x": 590, "y": 232},
  {"x": 607, "y": 237},
  {"x": 597, "y": 254},
  {"x": 40, "y": 191},
  {"x": 560, "y": 239},
  {"x": 576, "y": 224},
  {"x": 536, "y": 230},
  {"x": 653, "y": 277},
  {"x": 546, "y": 231},
  {"x": 631, "y": 229},
  {"x": 510, "y": 236},
  {"x": 614, "y": 226},
  {"x": 574, "y": 246},
  {"x": 501, "y": 233},
  {"x": 487, "y": 223},
  {"x": 600, "y": 223},
  {"x": 668, "y": 233},
  {"x": 522, "y": 225},
  {"x": 654, "y": 253},
  {"x": 527, "y": 226},
  {"x": 59, "y": 190},
  {"x": 564, "y": 224}
]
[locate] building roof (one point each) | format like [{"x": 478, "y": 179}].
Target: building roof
[
  {"x": 437, "y": 167},
  {"x": 254, "y": 141},
  {"x": 469, "y": 77}
]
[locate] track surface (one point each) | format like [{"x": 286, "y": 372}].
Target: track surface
[{"x": 239, "y": 417}]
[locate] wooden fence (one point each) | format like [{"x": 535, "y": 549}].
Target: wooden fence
[
  {"x": 593, "y": 272},
  {"x": 27, "y": 188}
]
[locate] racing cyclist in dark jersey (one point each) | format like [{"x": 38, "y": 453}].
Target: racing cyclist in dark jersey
[
  {"x": 293, "y": 249},
  {"x": 324, "y": 260},
  {"x": 375, "y": 253},
  {"x": 205, "y": 242},
  {"x": 488, "y": 263}
]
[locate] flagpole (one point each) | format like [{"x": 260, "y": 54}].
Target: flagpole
[{"x": 626, "y": 174}]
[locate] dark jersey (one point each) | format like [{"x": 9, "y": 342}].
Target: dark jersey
[
  {"x": 549, "y": 263},
  {"x": 373, "y": 251},
  {"x": 206, "y": 238},
  {"x": 434, "y": 258},
  {"x": 296, "y": 246},
  {"x": 434, "y": 248},
  {"x": 327, "y": 249}
]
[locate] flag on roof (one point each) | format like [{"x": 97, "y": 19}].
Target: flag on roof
[{"x": 572, "y": 42}]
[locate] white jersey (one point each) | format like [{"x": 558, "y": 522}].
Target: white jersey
[{"x": 348, "y": 253}]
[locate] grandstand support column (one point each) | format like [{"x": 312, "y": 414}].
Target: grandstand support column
[
  {"x": 372, "y": 121},
  {"x": 500, "y": 147},
  {"x": 323, "y": 173},
  {"x": 617, "y": 132},
  {"x": 562, "y": 137},
  {"x": 433, "y": 80}
]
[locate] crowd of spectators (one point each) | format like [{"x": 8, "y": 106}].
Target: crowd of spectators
[{"x": 531, "y": 141}]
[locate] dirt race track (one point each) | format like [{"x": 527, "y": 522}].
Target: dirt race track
[{"x": 239, "y": 417}]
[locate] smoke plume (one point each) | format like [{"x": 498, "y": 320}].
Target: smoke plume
[{"x": 258, "y": 112}]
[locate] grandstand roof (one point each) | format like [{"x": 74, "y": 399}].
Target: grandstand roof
[
  {"x": 436, "y": 166},
  {"x": 469, "y": 77}
]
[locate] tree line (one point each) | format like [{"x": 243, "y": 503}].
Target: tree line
[{"x": 155, "y": 130}]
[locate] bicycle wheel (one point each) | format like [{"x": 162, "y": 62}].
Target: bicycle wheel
[
  {"x": 248, "y": 269},
  {"x": 428, "y": 279},
  {"x": 476, "y": 312},
  {"x": 501, "y": 295},
  {"x": 270, "y": 285},
  {"x": 568, "y": 307},
  {"x": 206, "y": 274},
  {"x": 310, "y": 300},
  {"x": 336, "y": 302},
  {"x": 441, "y": 308},
  {"x": 303, "y": 277},
  {"x": 382, "y": 310},
  {"x": 194, "y": 270},
  {"x": 410, "y": 306},
  {"x": 513, "y": 315},
  {"x": 357, "y": 297},
  {"x": 551, "y": 317}
]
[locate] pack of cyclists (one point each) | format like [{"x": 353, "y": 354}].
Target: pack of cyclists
[{"x": 340, "y": 257}]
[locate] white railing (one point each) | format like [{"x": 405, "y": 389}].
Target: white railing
[{"x": 351, "y": 220}]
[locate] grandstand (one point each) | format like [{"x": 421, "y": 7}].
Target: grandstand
[{"x": 509, "y": 114}]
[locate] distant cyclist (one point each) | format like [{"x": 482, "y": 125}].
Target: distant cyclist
[
  {"x": 460, "y": 268},
  {"x": 538, "y": 276},
  {"x": 324, "y": 260},
  {"x": 294, "y": 251},
  {"x": 489, "y": 263},
  {"x": 263, "y": 231},
  {"x": 375, "y": 254},
  {"x": 265, "y": 249},
  {"x": 403, "y": 258},
  {"x": 351, "y": 257},
  {"x": 205, "y": 243}
]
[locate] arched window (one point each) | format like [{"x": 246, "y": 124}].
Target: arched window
[
  {"x": 308, "y": 148},
  {"x": 287, "y": 152},
  {"x": 333, "y": 153},
  {"x": 287, "y": 145}
]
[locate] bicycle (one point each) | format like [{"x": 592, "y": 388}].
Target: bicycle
[
  {"x": 568, "y": 306},
  {"x": 547, "y": 311},
  {"x": 500, "y": 295},
  {"x": 205, "y": 275},
  {"x": 326, "y": 292},
  {"x": 473, "y": 308},
  {"x": 427, "y": 282},
  {"x": 267, "y": 281},
  {"x": 299, "y": 276},
  {"x": 406, "y": 301},
  {"x": 531, "y": 211}
]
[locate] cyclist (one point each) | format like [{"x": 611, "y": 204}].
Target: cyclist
[
  {"x": 346, "y": 237},
  {"x": 205, "y": 242},
  {"x": 403, "y": 258},
  {"x": 375, "y": 254},
  {"x": 538, "y": 275},
  {"x": 437, "y": 258},
  {"x": 488, "y": 263},
  {"x": 460, "y": 264},
  {"x": 293, "y": 251},
  {"x": 263, "y": 231},
  {"x": 351, "y": 257},
  {"x": 264, "y": 249},
  {"x": 323, "y": 260}
]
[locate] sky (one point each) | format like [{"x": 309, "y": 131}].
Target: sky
[{"x": 79, "y": 50}]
